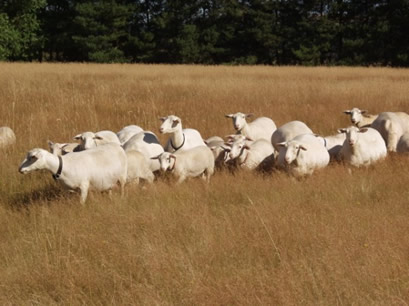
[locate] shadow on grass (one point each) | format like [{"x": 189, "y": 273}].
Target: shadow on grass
[{"x": 45, "y": 195}]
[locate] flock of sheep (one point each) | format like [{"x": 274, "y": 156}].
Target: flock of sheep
[{"x": 101, "y": 160}]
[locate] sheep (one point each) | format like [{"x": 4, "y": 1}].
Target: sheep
[
  {"x": 333, "y": 144},
  {"x": 148, "y": 144},
  {"x": 188, "y": 163},
  {"x": 59, "y": 149},
  {"x": 90, "y": 140},
  {"x": 288, "y": 131},
  {"x": 391, "y": 125},
  {"x": 258, "y": 154},
  {"x": 99, "y": 168},
  {"x": 127, "y": 132},
  {"x": 303, "y": 155},
  {"x": 217, "y": 146},
  {"x": 362, "y": 147},
  {"x": 214, "y": 140},
  {"x": 138, "y": 167},
  {"x": 180, "y": 139},
  {"x": 7, "y": 136},
  {"x": 403, "y": 144},
  {"x": 360, "y": 118},
  {"x": 260, "y": 128}
]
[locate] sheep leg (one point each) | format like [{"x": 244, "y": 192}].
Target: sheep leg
[
  {"x": 181, "y": 179},
  {"x": 84, "y": 192}
]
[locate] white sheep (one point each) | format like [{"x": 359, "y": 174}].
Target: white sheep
[
  {"x": 403, "y": 144},
  {"x": 138, "y": 167},
  {"x": 100, "y": 168},
  {"x": 260, "y": 128},
  {"x": 59, "y": 149},
  {"x": 127, "y": 132},
  {"x": 303, "y": 155},
  {"x": 90, "y": 140},
  {"x": 288, "y": 131},
  {"x": 333, "y": 144},
  {"x": 188, "y": 163},
  {"x": 362, "y": 147},
  {"x": 391, "y": 125},
  {"x": 7, "y": 136},
  {"x": 250, "y": 154},
  {"x": 360, "y": 118},
  {"x": 180, "y": 139},
  {"x": 148, "y": 144}
]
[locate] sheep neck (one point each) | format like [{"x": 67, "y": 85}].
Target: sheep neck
[
  {"x": 177, "y": 140},
  {"x": 57, "y": 174},
  {"x": 245, "y": 130},
  {"x": 242, "y": 158}
]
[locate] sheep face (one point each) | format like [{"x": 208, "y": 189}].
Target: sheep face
[
  {"x": 87, "y": 140},
  {"x": 237, "y": 148},
  {"x": 239, "y": 120},
  {"x": 356, "y": 114},
  {"x": 55, "y": 148},
  {"x": 166, "y": 160},
  {"x": 35, "y": 160},
  {"x": 352, "y": 134},
  {"x": 170, "y": 124},
  {"x": 292, "y": 150}
]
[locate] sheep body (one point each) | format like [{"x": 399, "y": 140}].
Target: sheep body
[
  {"x": 333, "y": 144},
  {"x": 138, "y": 167},
  {"x": 303, "y": 155},
  {"x": 98, "y": 168},
  {"x": 7, "y": 136},
  {"x": 148, "y": 144},
  {"x": 288, "y": 131},
  {"x": 360, "y": 118},
  {"x": 362, "y": 147},
  {"x": 180, "y": 139},
  {"x": 391, "y": 126},
  {"x": 127, "y": 132},
  {"x": 403, "y": 144},
  {"x": 260, "y": 128},
  {"x": 188, "y": 163}
]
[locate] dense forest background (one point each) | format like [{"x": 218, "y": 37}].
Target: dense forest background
[{"x": 275, "y": 32}]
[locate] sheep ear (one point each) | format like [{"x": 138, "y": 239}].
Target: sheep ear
[
  {"x": 282, "y": 144},
  {"x": 364, "y": 111},
  {"x": 162, "y": 119},
  {"x": 98, "y": 137},
  {"x": 172, "y": 156},
  {"x": 340, "y": 131},
  {"x": 363, "y": 130},
  {"x": 50, "y": 143},
  {"x": 348, "y": 112},
  {"x": 78, "y": 137},
  {"x": 249, "y": 115},
  {"x": 156, "y": 157},
  {"x": 229, "y": 115},
  {"x": 303, "y": 148},
  {"x": 227, "y": 149},
  {"x": 246, "y": 147},
  {"x": 248, "y": 139}
]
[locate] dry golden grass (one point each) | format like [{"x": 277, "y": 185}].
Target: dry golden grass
[{"x": 337, "y": 237}]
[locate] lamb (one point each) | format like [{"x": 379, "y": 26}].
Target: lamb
[
  {"x": 362, "y": 147},
  {"x": 403, "y": 144},
  {"x": 256, "y": 155},
  {"x": 138, "y": 167},
  {"x": 99, "y": 168},
  {"x": 127, "y": 132},
  {"x": 391, "y": 125},
  {"x": 260, "y": 128},
  {"x": 360, "y": 118},
  {"x": 303, "y": 155},
  {"x": 148, "y": 144},
  {"x": 7, "y": 136},
  {"x": 180, "y": 139},
  {"x": 289, "y": 131},
  {"x": 188, "y": 163},
  {"x": 90, "y": 140},
  {"x": 59, "y": 149}
]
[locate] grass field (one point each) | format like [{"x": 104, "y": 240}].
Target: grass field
[{"x": 339, "y": 237}]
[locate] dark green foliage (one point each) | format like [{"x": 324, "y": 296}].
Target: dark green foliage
[{"x": 309, "y": 32}]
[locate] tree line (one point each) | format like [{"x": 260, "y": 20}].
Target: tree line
[{"x": 269, "y": 32}]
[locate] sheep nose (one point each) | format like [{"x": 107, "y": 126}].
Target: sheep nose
[
  {"x": 287, "y": 160},
  {"x": 353, "y": 121}
]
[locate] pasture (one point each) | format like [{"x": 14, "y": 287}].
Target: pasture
[{"x": 337, "y": 237}]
